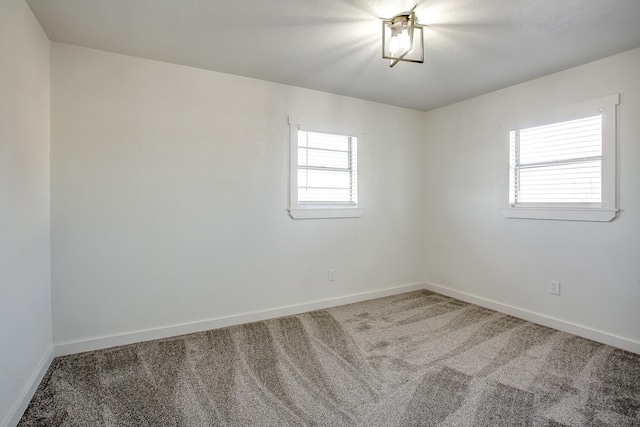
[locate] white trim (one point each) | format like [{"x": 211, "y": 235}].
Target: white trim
[
  {"x": 16, "y": 412},
  {"x": 294, "y": 125},
  {"x": 609, "y": 150},
  {"x": 563, "y": 214},
  {"x": 66, "y": 348},
  {"x": 326, "y": 213},
  {"x": 551, "y": 322}
]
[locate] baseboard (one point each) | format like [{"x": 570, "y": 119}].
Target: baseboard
[
  {"x": 24, "y": 398},
  {"x": 63, "y": 349},
  {"x": 552, "y": 322}
]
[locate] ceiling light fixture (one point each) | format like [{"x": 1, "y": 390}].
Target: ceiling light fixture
[{"x": 402, "y": 39}]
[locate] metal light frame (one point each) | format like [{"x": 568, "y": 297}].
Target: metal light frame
[{"x": 392, "y": 27}]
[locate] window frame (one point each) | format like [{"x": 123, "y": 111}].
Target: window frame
[
  {"x": 319, "y": 211},
  {"x": 607, "y": 209}
]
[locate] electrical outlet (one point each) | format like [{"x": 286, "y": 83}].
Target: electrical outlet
[
  {"x": 331, "y": 275},
  {"x": 555, "y": 287}
]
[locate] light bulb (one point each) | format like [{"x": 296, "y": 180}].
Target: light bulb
[
  {"x": 394, "y": 45},
  {"x": 404, "y": 40}
]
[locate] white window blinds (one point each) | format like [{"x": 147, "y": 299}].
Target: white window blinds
[
  {"x": 327, "y": 169},
  {"x": 557, "y": 163}
]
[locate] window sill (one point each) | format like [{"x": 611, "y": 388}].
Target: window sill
[
  {"x": 326, "y": 213},
  {"x": 561, "y": 214}
]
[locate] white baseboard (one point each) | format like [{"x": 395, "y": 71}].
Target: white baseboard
[
  {"x": 63, "y": 349},
  {"x": 552, "y": 322},
  {"x": 24, "y": 398}
]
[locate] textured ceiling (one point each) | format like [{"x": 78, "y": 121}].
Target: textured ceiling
[{"x": 472, "y": 46}]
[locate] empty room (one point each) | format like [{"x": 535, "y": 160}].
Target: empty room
[{"x": 319, "y": 213}]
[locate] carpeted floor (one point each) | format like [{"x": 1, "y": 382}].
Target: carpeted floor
[{"x": 416, "y": 359}]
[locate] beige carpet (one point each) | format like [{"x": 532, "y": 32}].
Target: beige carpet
[{"x": 416, "y": 359}]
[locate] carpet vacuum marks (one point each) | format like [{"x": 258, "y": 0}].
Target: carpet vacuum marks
[{"x": 415, "y": 359}]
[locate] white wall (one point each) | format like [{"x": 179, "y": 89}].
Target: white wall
[
  {"x": 170, "y": 195},
  {"x": 25, "y": 294},
  {"x": 471, "y": 248}
]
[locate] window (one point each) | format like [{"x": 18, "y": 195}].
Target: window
[
  {"x": 558, "y": 163},
  {"x": 324, "y": 174},
  {"x": 562, "y": 166}
]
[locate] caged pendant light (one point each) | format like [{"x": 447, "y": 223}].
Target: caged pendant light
[{"x": 402, "y": 39}]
